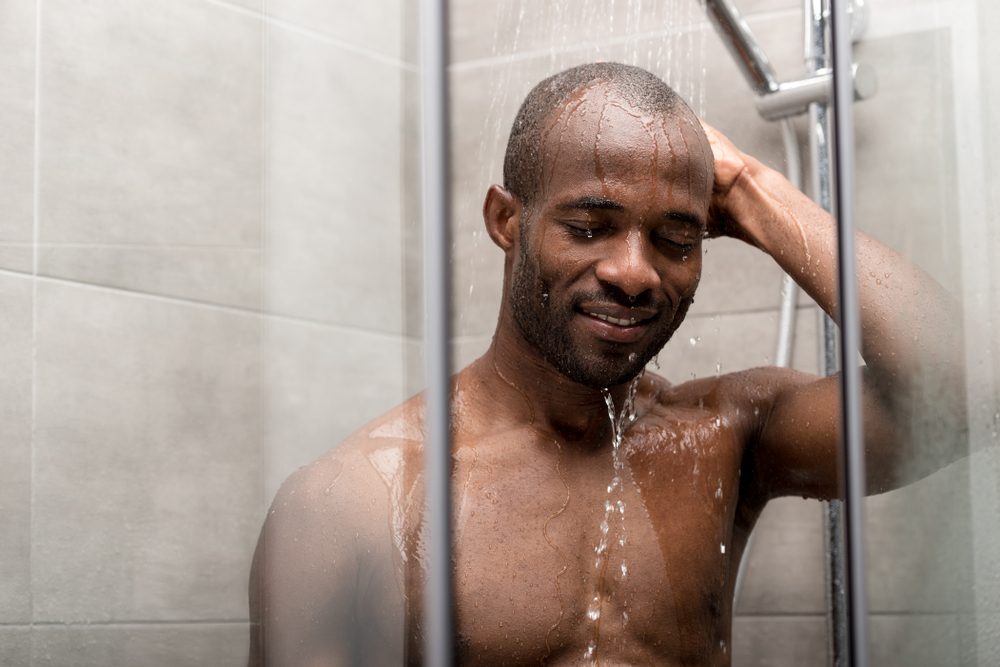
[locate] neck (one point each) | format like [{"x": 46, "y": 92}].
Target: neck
[{"x": 523, "y": 386}]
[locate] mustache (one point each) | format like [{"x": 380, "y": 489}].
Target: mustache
[{"x": 612, "y": 295}]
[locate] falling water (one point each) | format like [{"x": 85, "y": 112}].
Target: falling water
[{"x": 613, "y": 523}]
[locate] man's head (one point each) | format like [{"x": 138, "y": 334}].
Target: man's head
[{"x": 608, "y": 177}]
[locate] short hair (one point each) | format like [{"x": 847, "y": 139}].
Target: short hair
[{"x": 522, "y": 168}]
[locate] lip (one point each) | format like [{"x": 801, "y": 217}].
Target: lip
[{"x": 617, "y": 324}]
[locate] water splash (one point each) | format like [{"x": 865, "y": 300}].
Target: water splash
[{"x": 612, "y": 526}]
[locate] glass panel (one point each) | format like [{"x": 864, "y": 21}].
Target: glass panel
[
  {"x": 341, "y": 335},
  {"x": 207, "y": 280},
  {"x": 924, "y": 145},
  {"x": 552, "y": 562}
]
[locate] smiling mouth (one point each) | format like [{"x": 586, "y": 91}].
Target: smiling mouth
[{"x": 630, "y": 322}]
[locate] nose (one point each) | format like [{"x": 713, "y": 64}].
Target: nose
[{"x": 627, "y": 266}]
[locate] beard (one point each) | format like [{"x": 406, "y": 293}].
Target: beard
[{"x": 545, "y": 323}]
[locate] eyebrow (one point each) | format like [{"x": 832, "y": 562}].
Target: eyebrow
[
  {"x": 683, "y": 216},
  {"x": 592, "y": 204}
]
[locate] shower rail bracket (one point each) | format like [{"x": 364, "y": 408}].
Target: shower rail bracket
[{"x": 792, "y": 98}]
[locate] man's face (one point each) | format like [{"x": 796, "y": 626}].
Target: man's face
[{"x": 609, "y": 255}]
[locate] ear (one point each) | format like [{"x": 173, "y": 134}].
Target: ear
[{"x": 502, "y": 215}]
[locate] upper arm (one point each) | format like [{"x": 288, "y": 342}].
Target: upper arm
[
  {"x": 797, "y": 448},
  {"x": 322, "y": 580}
]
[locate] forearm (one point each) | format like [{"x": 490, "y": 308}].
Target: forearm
[{"x": 907, "y": 319}]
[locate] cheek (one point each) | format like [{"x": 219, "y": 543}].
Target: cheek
[{"x": 685, "y": 276}]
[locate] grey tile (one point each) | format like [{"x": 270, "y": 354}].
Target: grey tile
[
  {"x": 779, "y": 641},
  {"x": 786, "y": 571},
  {"x": 333, "y": 222},
  {"x": 150, "y": 118},
  {"x": 227, "y": 276},
  {"x": 321, "y": 384},
  {"x": 467, "y": 350},
  {"x": 15, "y": 452},
  {"x": 979, "y": 639},
  {"x": 911, "y": 207},
  {"x": 17, "y": 123},
  {"x": 374, "y": 27},
  {"x": 147, "y": 457},
  {"x": 15, "y": 646},
  {"x": 16, "y": 257},
  {"x": 914, "y": 640},
  {"x": 738, "y": 277},
  {"x": 984, "y": 471},
  {"x": 175, "y": 645},
  {"x": 727, "y": 343},
  {"x": 919, "y": 545}
]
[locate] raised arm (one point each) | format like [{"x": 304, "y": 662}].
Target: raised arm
[{"x": 913, "y": 385}]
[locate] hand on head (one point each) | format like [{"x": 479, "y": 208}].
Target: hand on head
[{"x": 730, "y": 166}]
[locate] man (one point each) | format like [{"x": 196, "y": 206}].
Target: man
[{"x": 600, "y": 514}]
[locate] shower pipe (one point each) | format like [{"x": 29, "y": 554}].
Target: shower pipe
[{"x": 781, "y": 100}]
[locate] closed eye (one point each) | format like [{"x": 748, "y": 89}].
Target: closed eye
[
  {"x": 676, "y": 240},
  {"x": 582, "y": 228}
]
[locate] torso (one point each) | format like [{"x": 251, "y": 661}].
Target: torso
[{"x": 531, "y": 586}]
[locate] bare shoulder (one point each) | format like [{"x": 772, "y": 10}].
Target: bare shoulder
[
  {"x": 355, "y": 478},
  {"x": 729, "y": 395}
]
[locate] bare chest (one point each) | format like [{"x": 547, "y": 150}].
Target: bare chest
[{"x": 563, "y": 560}]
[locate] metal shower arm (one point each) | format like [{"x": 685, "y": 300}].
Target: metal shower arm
[
  {"x": 741, "y": 43},
  {"x": 778, "y": 99}
]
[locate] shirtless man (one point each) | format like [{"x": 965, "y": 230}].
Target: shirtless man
[{"x": 568, "y": 549}]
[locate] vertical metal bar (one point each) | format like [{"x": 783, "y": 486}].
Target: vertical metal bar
[
  {"x": 819, "y": 122},
  {"x": 850, "y": 332},
  {"x": 817, "y": 57},
  {"x": 438, "y": 618}
]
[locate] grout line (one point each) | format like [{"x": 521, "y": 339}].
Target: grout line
[
  {"x": 235, "y": 310},
  {"x": 314, "y": 34},
  {"x": 35, "y": 198},
  {"x": 141, "y": 246},
  {"x": 293, "y": 319},
  {"x": 129, "y": 623},
  {"x": 265, "y": 200}
]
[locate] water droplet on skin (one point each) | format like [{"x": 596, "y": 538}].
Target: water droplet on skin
[
  {"x": 722, "y": 548},
  {"x": 545, "y": 299},
  {"x": 717, "y": 422},
  {"x": 633, "y": 356},
  {"x": 684, "y": 258}
]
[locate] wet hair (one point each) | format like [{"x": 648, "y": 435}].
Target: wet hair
[{"x": 522, "y": 168}]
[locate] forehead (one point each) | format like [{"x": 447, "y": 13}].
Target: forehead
[{"x": 598, "y": 141}]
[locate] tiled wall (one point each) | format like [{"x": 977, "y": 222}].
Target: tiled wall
[{"x": 201, "y": 280}]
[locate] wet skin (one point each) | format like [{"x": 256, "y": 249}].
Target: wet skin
[{"x": 616, "y": 231}]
